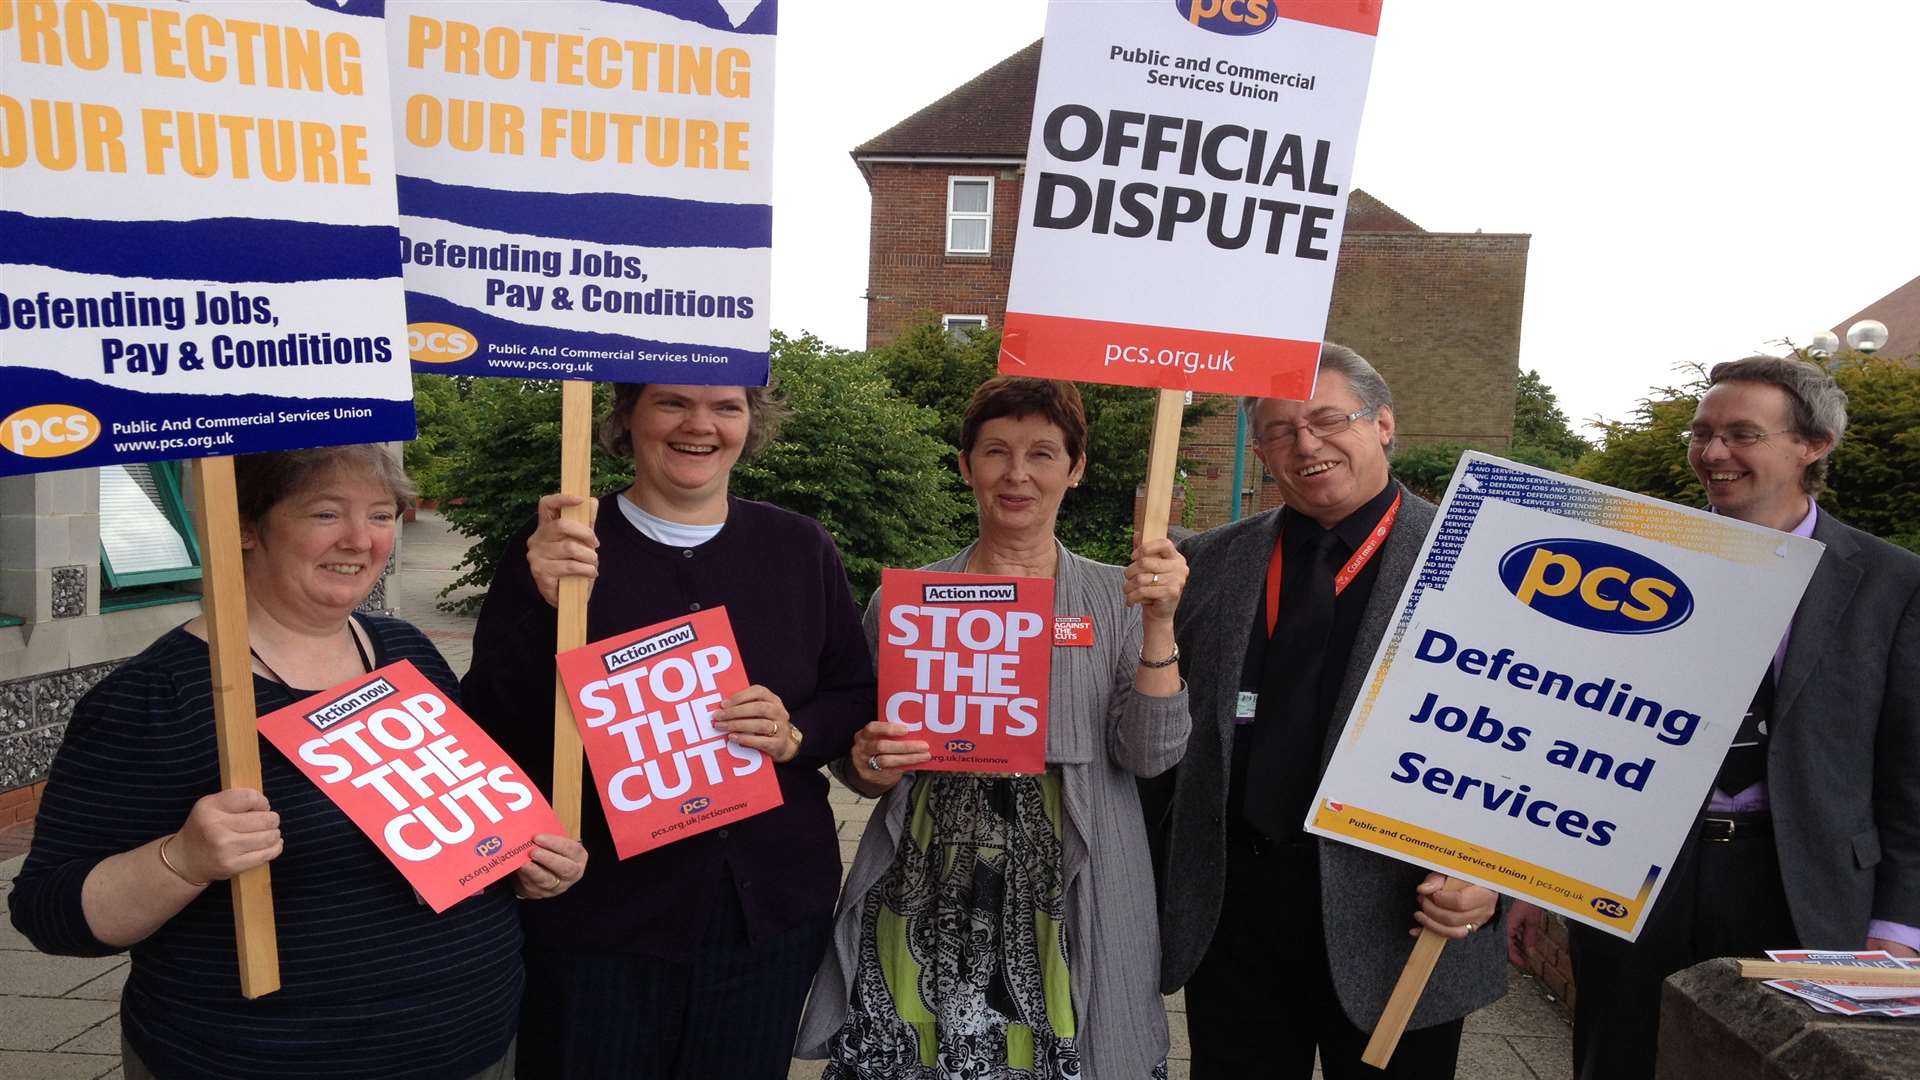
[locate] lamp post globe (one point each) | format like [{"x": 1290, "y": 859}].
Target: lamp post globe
[
  {"x": 1823, "y": 344},
  {"x": 1867, "y": 336}
]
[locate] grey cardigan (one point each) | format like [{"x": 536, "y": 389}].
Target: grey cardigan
[{"x": 1102, "y": 735}]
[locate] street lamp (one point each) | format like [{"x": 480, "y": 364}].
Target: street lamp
[
  {"x": 1824, "y": 344},
  {"x": 1867, "y": 336}
]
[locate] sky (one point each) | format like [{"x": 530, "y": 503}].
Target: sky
[{"x": 1701, "y": 179}]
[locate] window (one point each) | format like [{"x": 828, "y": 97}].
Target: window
[
  {"x": 969, "y": 215},
  {"x": 959, "y": 326},
  {"x": 146, "y": 540}
]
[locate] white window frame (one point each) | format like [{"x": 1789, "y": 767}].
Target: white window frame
[
  {"x": 953, "y": 324},
  {"x": 969, "y": 215}
]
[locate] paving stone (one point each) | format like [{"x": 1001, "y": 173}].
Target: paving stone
[
  {"x": 806, "y": 1070},
  {"x": 39, "y": 975},
  {"x": 32, "y": 1023},
  {"x": 1550, "y": 1058},
  {"x": 1524, "y": 1011},
  {"x": 105, "y": 988},
  {"x": 16, "y": 1066},
  {"x": 102, "y": 1038},
  {"x": 1488, "y": 1057}
]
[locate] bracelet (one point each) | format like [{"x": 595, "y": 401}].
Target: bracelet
[
  {"x": 1168, "y": 662},
  {"x": 168, "y": 863}
]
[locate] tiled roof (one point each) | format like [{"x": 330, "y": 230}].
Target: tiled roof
[
  {"x": 1900, "y": 310},
  {"x": 991, "y": 115}
]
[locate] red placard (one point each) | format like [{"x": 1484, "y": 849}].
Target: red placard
[
  {"x": 966, "y": 661},
  {"x": 428, "y": 787},
  {"x": 645, "y": 702}
]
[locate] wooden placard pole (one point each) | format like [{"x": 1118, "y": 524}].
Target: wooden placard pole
[
  {"x": 224, "y": 600},
  {"x": 1836, "y": 974},
  {"x": 1162, "y": 462},
  {"x": 576, "y": 475},
  {"x": 1406, "y": 992}
]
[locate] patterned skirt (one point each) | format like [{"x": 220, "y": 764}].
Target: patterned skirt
[{"x": 963, "y": 962}]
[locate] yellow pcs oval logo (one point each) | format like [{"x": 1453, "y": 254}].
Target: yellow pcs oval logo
[
  {"x": 45, "y": 431},
  {"x": 439, "y": 343}
]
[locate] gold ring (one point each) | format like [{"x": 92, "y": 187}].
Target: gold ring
[
  {"x": 1471, "y": 927},
  {"x": 1156, "y": 579}
]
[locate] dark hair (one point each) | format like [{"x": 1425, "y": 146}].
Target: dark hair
[
  {"x": 1011, "y": 395},
  {"x": 765, "y": 413},
  {"x": 262, "y": 481},
  {"x": 1816, "y": 402}
]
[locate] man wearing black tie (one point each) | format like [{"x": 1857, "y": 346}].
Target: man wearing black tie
[
  {"x": 1811, "y": 836},
  {"x": 1286, "y": 942}
]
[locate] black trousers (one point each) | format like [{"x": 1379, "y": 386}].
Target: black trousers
[
  {"x": 1262, "y": 999},
  {"x": 729, "y": 1013},
  {"x": 1725, "y": 899}
]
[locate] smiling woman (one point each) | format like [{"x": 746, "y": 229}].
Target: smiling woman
[
  {"x": 365, "y": 967},
  {"x": 704, "y": 978}
]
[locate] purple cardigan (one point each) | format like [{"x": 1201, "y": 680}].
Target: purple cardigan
[{"x": 780, "y": 578}]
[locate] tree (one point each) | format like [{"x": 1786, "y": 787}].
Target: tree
[
  {"x": 1648, "y": 452},
  {"x": 1874, "y": 478},
  {"x": 1540, "y": 428},
  {"x": 860, "y": 460},
  {"x": 853, "y": 456},
  {"x": 939, "y": 370}
]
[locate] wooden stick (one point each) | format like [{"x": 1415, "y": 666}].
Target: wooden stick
[
  {"x": 1837, "y": 974},
  {"x": 576, "y": 474},
  {"x": 234, "y": 722},
  {"x": 1406, "y": 993},
  {"x": 1162, "y": 463}
]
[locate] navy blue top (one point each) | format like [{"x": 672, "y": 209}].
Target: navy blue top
[
  {"x": 373, "y": 983},
  {"x": 786, "y": 594}
]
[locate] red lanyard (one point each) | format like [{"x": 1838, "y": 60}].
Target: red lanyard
[{"x": 1347, "y": 573}]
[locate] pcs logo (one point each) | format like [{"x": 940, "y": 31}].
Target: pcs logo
[
  {"x": 1596, "y": 586},
  {"x": 1608, "y": 906},
  {"x": 439, "y": 343},
  {"x": 45, "y": 431},
  {"x": 960, "y": 746},
  {"x": 695, "y": 804},
  {"x": 488, "y": 846},
  {"x": 1238, "y": 18}
]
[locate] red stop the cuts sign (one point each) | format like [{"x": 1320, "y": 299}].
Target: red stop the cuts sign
[{"x": 439, "y": 798}]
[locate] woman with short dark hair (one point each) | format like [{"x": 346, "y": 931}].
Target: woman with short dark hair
[
  {"x": 1005, "y": 925},
  {"x": 690, "y": 960},
  {"x": 134, "y": 828}
]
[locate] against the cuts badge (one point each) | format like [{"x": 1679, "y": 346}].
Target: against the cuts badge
[
  {"x": 1073, "y": 631},
  {"x": 965, "y": 662},
  {"x": 428, "y": 787},
  {"x": 644, "y": 702}
]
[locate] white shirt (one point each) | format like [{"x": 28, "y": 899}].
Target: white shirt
[{"x": 670, "y": 533}]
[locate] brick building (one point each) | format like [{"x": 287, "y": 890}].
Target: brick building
[
  {"x": 1438, "y": 313},
  {"x": 1900, "y": 311}
]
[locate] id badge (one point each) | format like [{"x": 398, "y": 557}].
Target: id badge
[
  {"x": 1073, "y": 631},
  {"x": 1245, "y": 706}
]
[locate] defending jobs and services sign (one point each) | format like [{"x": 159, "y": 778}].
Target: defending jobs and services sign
[
  {"x": 1566, "y": 670},
  {"x": 586, "y": 187},
  {"x": 1186, "y": 185},
  {"x": 197, "y": 232}
]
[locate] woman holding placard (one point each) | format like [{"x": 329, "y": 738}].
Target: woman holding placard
[
  {"x": 134, "y": 829},
  {"x": 691, "y": 959},
  {"x": 1004, "y": 925}
]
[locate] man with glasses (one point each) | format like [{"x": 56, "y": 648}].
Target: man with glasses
[
  {"x": 1283, "y": 941},
  {"x": 1811, "y": 836}
]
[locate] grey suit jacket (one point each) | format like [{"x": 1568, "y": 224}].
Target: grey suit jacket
[
  {"x": 1843, "y": 763},
  {"x": 1367, "y": 900}
]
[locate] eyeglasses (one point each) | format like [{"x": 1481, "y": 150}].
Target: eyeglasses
[
  {"x": 1323, "y": 425},
  {"x": 1737, "y": 439}
]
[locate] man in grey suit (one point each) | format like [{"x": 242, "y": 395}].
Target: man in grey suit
[
  {"x": 1285, "y": 942},
  {"x": 1811, "y": 836}
]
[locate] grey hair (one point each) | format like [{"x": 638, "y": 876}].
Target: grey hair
[
  {"x": 1818, "y": 405},
  {"x": 1367, "y": 384}
]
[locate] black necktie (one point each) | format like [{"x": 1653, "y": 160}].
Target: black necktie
[
  {"x": 1284, "y": 766},
  {"x": 1746, "y": 762}
]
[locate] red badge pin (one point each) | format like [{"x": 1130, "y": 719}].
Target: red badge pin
[{"x": 1073, "y": 630}]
